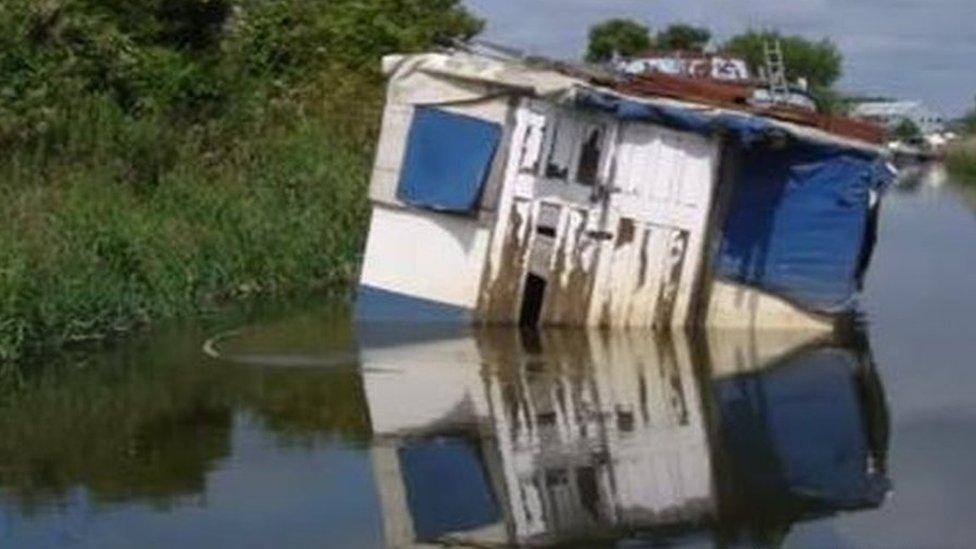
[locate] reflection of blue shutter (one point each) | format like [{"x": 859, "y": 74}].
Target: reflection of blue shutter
[
  {"x": 447, "y": 487},
  {"x": 447, "y": 161}
]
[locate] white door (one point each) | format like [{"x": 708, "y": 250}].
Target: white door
[
  {"x": 597, "y": 221},
  {"x": 660, "y": 205}
]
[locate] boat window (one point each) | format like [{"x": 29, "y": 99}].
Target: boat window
[
  {"x": 532, "y": 146},
  {"x": 574, "y": 148},
  {"x": 561, "y": 146},
  {"x": 590, "y": 155}
]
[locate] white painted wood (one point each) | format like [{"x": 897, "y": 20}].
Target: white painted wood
[
  {"x": 426, "y": 255},
  {"x": 662, "y": 197},
  {"x": 652, "y": 184}
]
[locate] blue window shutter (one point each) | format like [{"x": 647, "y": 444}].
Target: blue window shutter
[{"x": 447, "y": 161}]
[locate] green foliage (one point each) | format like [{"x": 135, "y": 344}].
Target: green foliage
[
  {"x": 830, "y": 101},
  {"x": 288, "y": 37},
  {"x": 683, "y": 37},
  {"x": 820, "y": 62},
  {"x": 968, "y": 122},
  {"x": 906, "y": 129},
  {"x": 94, "y": 256},
  {"x": 961, "y": 161},
  {"x": 161, "y": 156},
  {"x": 621, "y": 36}
]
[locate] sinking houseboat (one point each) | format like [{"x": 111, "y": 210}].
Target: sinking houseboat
[{"x": 509, "y": 191}]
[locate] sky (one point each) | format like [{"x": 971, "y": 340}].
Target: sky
[{"x": 909, "y": 49}]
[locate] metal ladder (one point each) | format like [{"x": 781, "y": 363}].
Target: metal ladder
[{"x": 779, "y": 87}]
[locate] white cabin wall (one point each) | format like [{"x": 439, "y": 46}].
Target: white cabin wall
[
  {"x": 422, "y": 253},
  {"x": 733, "y": 305},
  {"x": 664, "y": 182},
  {"x": 431, "y": 256}
]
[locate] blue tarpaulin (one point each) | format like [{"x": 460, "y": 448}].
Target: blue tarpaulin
[
  {"x": 798, "y": 223},
  {"x": 447, "y": 160},
  {"x": 799, "y": 220},
  {"x": 746, "y": 129}
]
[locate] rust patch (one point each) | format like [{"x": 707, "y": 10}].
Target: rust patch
[
  {"x": 671, "y": 376},
  {"x": 642, "y": 263},
  {"x": 736, "y": 96},
  {"x": 500, "y": 296},
  {"x": 570, "y": 299},
  {"x": 668, "y": 293},
  {"x": 606, "y": 314}
]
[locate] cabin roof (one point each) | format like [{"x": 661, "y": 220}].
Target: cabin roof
[{"x": 561, "y": 81}]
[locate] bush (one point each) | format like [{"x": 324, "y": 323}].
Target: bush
[
  {"x": 163, "y": 156},
  {"x": 961, "y": 161},
  {"x": 819, "y": 62},
  {"x": 617, "y": 36}
]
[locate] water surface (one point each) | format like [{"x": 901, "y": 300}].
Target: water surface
[{"x": 305, "y": 432}]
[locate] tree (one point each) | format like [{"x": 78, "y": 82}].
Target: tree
[
  {"x": 622, "y": 36},
  {"x": 684, "y": 37},
  {"x": 819, "y": 62},
  {"x": 906, "y": 130},
  {"x": 969, "y": 122}
]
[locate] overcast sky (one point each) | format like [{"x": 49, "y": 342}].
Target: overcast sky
[{"x": 913, "y": 49}]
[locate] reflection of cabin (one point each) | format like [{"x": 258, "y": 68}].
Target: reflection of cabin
[
  {"x": 508, "y": 193},
  {"x": 549, "y": 447},
  {"x": 530, "y": 438}
]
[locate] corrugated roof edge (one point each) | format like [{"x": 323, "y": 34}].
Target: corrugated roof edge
[
  {"x": 550, "y": 77},
  {"x": 798, "y": 131}
]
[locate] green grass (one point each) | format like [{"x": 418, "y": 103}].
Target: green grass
[
  {"x": 961, "y": 161},
  {"x": 129, "y": 222},
  {"x": 160, "y": 162}
]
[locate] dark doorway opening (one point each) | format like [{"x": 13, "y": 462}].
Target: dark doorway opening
[{"x": 532, "y": 298}]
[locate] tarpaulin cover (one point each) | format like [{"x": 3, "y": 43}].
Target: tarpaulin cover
[
  {"x": 447, "y": 160},
  {"x": 746, "y": 129},
  {"x": 798, "y": 432},
  {"x": 798, "y": 223},
  {"x": 447, "y": 487}
]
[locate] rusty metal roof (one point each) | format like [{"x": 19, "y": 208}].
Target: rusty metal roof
[
  {"x": 737, "y": 96},
  {"x": 725, "y": 94}
]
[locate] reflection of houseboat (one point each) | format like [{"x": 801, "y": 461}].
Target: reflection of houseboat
[
  {"x": 508, "y": 191},
  {"x": 509, "y": 438}
]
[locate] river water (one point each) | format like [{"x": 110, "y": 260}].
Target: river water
[{"x": 296, "y": 430}]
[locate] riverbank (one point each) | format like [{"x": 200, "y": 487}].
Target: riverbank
[
  {"x": 961, "y": 161},
  {"x": 87, "y": 256},
  {"x": 162, "y": 162}
]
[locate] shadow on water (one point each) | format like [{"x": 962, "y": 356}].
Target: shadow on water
[{"x": 490, "y": 437}]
